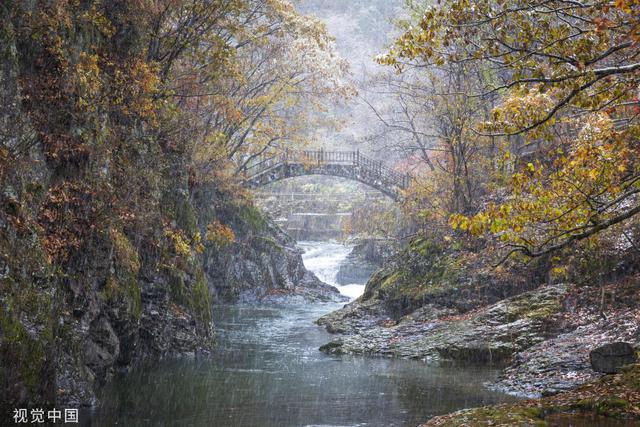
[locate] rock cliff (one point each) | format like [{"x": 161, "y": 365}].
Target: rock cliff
[{"x": 98, "y": 272}]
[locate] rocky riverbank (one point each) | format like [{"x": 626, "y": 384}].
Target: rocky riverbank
[
  {"x": 109, "y": 322},
  {"x": 491, "y": 334},
  {"x": 542, "y": 335},
  {"x": 611, "y": 400}
]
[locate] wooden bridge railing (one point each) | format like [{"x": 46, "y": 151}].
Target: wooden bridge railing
[{"x": 315, "y": 158}]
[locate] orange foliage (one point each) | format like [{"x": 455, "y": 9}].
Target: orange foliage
[{"x": 220, "y": 234}]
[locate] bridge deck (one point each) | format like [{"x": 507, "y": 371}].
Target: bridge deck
[{"x": 346, "y": 164}]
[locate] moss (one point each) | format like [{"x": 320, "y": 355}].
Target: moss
[
  {"x": 608, "y": 406},
  {"x": 631, "y": 376},
  {"x": 135, "y": 298},
  {"x": 179, "y": 208},
  {"x": 124, "y": 284},
  {"x": 611, "y": 397},
  {"x": 523, "y": 414},
  {"x": 8, "y": 52},
  {"x": 26, "y": 298},
  {"x": 194, "y": 295},
  {"x": 126, "y": 254},
  {"x": 422, "y": 247},
  {"x": 177, "y": 288},
  {"x": 498, "y": 415},
  {"x": 200, "y": 297},
  {"x": 128, "y": 290},
  {"x": 186, "y": 217},
  {"x": 392, "y": 280},
  {"x": 544, "y": 312},
  {"x": 110, "y": 290},
  {"x": 29, "y": 354},
  {"x": 252, "y": 216},
  {"x": 270, "y": 243},
  {"x": 425, "y": 271},
  {"x": 532, "y": 306}
]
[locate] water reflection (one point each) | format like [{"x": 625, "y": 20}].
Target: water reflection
[{"x": 268, "y": 372}]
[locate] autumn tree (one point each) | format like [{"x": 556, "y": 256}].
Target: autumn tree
[
  {"x": 278, "y": 67},
  {"x": 568, "y": 75},
  {"x": 430, "y": 122}
]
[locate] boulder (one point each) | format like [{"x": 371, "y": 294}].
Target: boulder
[
  {"x": 332, "y": 347},
  {"x": 609, "y": 358}
]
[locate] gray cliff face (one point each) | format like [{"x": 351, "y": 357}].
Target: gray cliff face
[
  {"x": 161, "y": 313},
  {"x": 262, "y": 266},
  {"x": 265, "y": 270}
]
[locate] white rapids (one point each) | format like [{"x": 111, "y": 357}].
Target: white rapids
[{"x": 324, "y": 259}]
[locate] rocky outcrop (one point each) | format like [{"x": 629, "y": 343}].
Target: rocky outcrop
[
  {"x": 610, "y": 358},
  {"x": 62, "y": 338},
  {"x": 367, "y": 256},
  {"x": 562, "y": 362},
  {"x": 431, "y": 272},
  {"x": 265, "y": 268},
  {"x": 262, "y": 265},
  {"x": 491, "y": 334},
  {"x": 436, "y": 304},
  {"x": 611, "y": 400}
]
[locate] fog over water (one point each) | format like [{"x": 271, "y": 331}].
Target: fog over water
[{"x": 362, "y": 30}]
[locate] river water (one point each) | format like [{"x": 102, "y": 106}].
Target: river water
[{"x": 267, "y": 371}]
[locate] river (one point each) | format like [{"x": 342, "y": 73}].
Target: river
[{"x": 267, "y": 371}]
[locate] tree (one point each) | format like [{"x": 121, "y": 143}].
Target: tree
[
  {"x": 432, "y": 118},
  {"x": 278, "y": 68},
  {"x": 568, "y": 76}
]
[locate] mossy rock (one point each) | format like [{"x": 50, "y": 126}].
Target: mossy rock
[
  {"x": 122, "y": 285},
  {"x": 606, "y": 406},
  {"x": 125, "y": 253},
  {"x": 186, "y": 218},
  {"x": 127, "y": 291},
  {"x": 501, "y": 415},
  {"x": 177, "y": 207},
  {"x": 177, "y": 287},
  {"x": 631, "y": 376},
  {"x": 191, "y": 291},
  {"x": 423, "y": 271},
  {"x": 253, "y": 217},
  {"x": 534, "y": 306},
  {"x": 200, "y": 301},
  {"x": 26, "y": 359},
  {"x": 269, "y": 243},
  {"x": 613, "y": 397}
]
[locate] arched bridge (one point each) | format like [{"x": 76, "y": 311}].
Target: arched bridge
[{"x": 344, "y": 164}]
